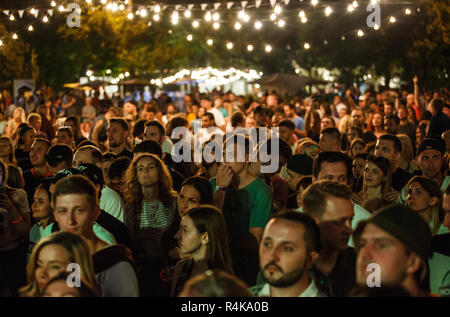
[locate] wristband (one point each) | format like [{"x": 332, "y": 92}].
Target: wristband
[
  {"x": 222, "y": 188},
  {"x": 18, "y": 220}
]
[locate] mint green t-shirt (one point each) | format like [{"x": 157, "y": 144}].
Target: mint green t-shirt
[{"x": 258, "y": 197}]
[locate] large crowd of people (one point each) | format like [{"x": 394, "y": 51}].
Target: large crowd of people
[{"x": 110, "y": 195}]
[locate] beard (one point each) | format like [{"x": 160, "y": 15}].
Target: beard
[{"x": 287, "y": 279}]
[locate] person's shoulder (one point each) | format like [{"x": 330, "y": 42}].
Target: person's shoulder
[
  {"x": 256, "y": 289},
  {"x": 440, "y": 243}
]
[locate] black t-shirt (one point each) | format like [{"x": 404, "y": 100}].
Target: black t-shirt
[
  {"x": 31, "y": 182},
  {"x": 126, "y": 153},
  {"x": 341, "y": 279},
  {"x": 23, "y": 160}
]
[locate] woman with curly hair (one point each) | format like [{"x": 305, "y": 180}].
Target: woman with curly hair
[
  {"x": 150, "y": 215},
  {"x": 375, "y": 124}
]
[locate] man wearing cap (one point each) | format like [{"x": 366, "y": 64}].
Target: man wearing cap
[
  {"x": 59, "y": 157},
  {"x": 297, "y": 167},
  {"x": 398, "y": 242}
]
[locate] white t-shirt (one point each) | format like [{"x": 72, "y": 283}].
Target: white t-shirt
[
  {"x": 112, "y": 203},
  {"x": 218, "y": 117}
]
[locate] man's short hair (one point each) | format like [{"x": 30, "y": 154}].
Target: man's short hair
[
  {"x": 148, "y": 146},
  {"x": 157, "y": 124},
  {"x": 287, "y": 123},
  {"x": 392, "y": 117},
  {"x": 59, "y": 153},
  {"x": 94, "y": 151},
  {"x": 86, "y": 142},
  {"x": 66, "y": 129},
  {"x": 32, "y": 117},
  {"x": 45, "y": 141},
  {"x": 120, "y": 121},
  {"x": 109, "y": 156},
  {"x": 332, "y": 157},
  {"x": 209, "y": 115},
  {"x": 333, "y": 132},
  {"x": 314, "y": 199},
  {"x": 312, "y": 231},
  {"x": 118, "y": 167},
  {"x": 437, "y": 104},
  {"x": 76, "y": 184},
  {"x": 393, "y": 138},
  {"x": 139, "y": 127},
  {"x": 236, "y": 118}
]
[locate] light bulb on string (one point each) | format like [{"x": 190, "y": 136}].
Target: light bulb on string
[
  {"x": 237, "y": 26},
  {"x": 250, "y": 47},
  {"x": 121, "y": 7},
  {"x": 304, "y": 19},
  {"x": 229, "y": 45},
  {"x": 216, "y": 16},
  {"x": 355, "y": 4},
  {"x": 376, "y": 27},
  {"x": 328, "y": 11},
  {"x": 187, "y": 14},
  {"x": 360, "y": 33},
  {"x": 32, "y": 11},
  {"x": 189, "y": 37},
  {"x": 392, "y": 19},
  {"x": 45, "y": 19},
  {"x": 273, "y": 17},
  {"x": 268, "y": 48},
  {"x": 281, "y": 23},
  {"x": 307, "y": 46},
  {"x": 12, "y": 18},
  {"x": 14, "y": 36},
  {"x": 53, "y": 4},
  {"x": 130, "y": 16},
  {"x": 209, "y": 42},
  {"x": 301, "y": 14},
  {"x": 157, "y": 8},
  {"x": 103, "y": 1},
  {"x": 258, "y": 25},
  {"x": 208, "y": 16},
  {"x": 174, "y": 18},
  {"x": 277, "y": 9},
  {"x": 144, "y": 13},
  {"x": 314, "y": 2},
  {"x": 195, "y": 24},
  {"x": 61, "y": 8},
  {"x": 350, "y": 8},
  {"x": 216, "y": 26},
  {"x": 1, "y": 43},
  {"x": 30, "y": 28},
  {"x": 156, "y": 17},
  {"x": 407, "y": 11}
]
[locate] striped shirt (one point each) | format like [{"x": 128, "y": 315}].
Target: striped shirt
[{"x": 153, "y": 222}]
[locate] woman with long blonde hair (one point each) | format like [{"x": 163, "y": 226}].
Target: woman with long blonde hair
[
  {"x": 151, "y": 214},
  {"x": 51, "y": 256}
]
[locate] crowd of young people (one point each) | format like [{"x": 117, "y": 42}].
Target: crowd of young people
[{"x": 360, "y": 180}]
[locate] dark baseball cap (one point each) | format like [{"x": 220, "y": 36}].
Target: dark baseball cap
[
  {"x": 93, "y": 172},
  {"x": 58, "y": 153},
  {"x": 430, "y": 144},
  {"x": 301, "y": 164},
  {"x": 61, "y": 174}
]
